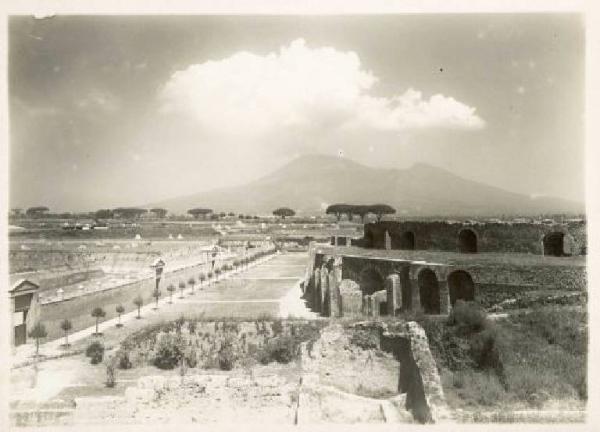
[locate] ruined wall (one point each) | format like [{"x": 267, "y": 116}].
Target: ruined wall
[
  {"x": 68, "y": 278},
  {"x": 419, "y": 377},
  {"x": 491, "y": 237},
  {"x": 78, "y": 309},
  {"x": 491, "y": 281},
  {"x": 27, "y": 260}
]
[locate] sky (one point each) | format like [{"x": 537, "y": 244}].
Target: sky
[{"x": 122, "y": 111}]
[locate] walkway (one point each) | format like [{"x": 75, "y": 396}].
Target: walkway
[{"x": 261, "y": 289}]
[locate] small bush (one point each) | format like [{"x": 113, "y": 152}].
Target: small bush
[
  {"x": 168, "y": 352},
  {"x": 364, "y": 339},
  {"x": 226, "y": 357},
  {"x": 282, "y": 349},
  {"x": 484, "y": 349},
  {"x": 95, "y": 351},
  {"x": 123, "y": 360},
  {"x": 277, "y": 327},
  {"x": 468, "y": 316},
  {"x": 191, "y": 358},
  {"x": 110, "y": 375}
]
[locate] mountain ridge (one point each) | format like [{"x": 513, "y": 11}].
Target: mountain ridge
[{"x": 311, "y": 182}]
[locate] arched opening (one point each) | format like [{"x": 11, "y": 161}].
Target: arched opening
[
  {"x": 429, "y": 292},
  {"x": 554, "y": 244},
  {"x": 461, "y": 286},
  {"x": 405, "y": 241},
  {"x": 467, "y": 241},
  {"x": 370, "y": 281},
  {"x": 383, "y": 310},
  {"x": 329, "y": 264},
  {"x": 369, "y": 239},
  {"x": 406, "y": 292}
]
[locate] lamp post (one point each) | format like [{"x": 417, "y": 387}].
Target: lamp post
[{"x": 158, "y": 267}]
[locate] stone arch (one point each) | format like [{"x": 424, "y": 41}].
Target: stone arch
[
  {"x": 405, "y": 289},
  {"x": 461, "y": 286},
  {"x": 554, "y": 244},
  {"x": 324, "y": 294},
  {"x": 405, "y": 241},
  {"x": 429, "y": 291},
  {"x": 369, "y": 238},
  {"x": 370, "y": 281},
  {"x": 467, "y": 241}
]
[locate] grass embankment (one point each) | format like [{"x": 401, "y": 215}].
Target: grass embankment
[
  {"x": 224, "y": 345},
  {"x": 530, "y": 360}
]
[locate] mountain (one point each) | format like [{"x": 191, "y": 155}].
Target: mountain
[{"x": 309, "y": 183}]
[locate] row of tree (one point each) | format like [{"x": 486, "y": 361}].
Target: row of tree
[
  {"x": 351, "y": 210},
  {"x": 121, "y": 213},
  {"x": 137, "y": 212},
  {"x": 39, "y": 332}
]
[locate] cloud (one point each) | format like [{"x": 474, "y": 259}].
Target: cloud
[
  {"x": 302, "y": 87},
  {"x": 99, "y": 100}
]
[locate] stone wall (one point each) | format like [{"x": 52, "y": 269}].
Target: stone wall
[
  {"x": 405, "y": 287},
  {"x": 78, "y": 309},
  {"x": 419, "y": 377},
  {"x": 491, "y": 237},
  {"x": 57, "y": 260}
]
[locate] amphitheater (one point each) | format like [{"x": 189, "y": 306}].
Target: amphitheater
[
  {"x": 428, "y": 266},
  {"x": 362, "y": 295}
]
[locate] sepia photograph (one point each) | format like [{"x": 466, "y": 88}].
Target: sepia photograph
[{"x": 296, "y": 219}]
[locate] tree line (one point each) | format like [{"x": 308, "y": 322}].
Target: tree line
[
  {"x": 122, "y": 213},
  {"x": 351, "y": 210}
]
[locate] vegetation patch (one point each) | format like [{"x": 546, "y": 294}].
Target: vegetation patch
[
  {"x": 221, "y": 345},
  {"x": 518, "y": 362}
]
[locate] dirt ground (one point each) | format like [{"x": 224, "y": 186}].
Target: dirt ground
[
  {"x": 347, "y": 367},
  {"x": 340, "y": 389}
]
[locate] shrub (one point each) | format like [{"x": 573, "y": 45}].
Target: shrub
[
  {"x": 123, "y": 360},
  {"x": 110, "y": 374},
  {"x": 364, "y": 339},
  {"x": 179, "y": 322},
  {"x": 277, "y": 327},
  {"x": 65, "y": 326},
  {"x": 484, "y": 350},
  {"x": 191, "y": 359},
  {"x": 98, "y": 313},
  {"x": 119, "y": 309},
  {"x": 38, "y": 332},
  {"x": 282, "y": 349},
  {"x": 226, "y": 357},
  {"x": 95, "y": 351},
  {"x": 468, "y": 316},
  {"x": 168, "y": 352}
]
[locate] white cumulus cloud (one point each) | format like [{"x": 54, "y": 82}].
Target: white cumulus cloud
[{"x": 302, "y": 87}]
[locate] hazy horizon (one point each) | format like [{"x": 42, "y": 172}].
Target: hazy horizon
[{"x": 121, "y": 111}]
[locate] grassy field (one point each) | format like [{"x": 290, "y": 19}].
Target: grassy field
[{"x": 529, "y": 360}]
